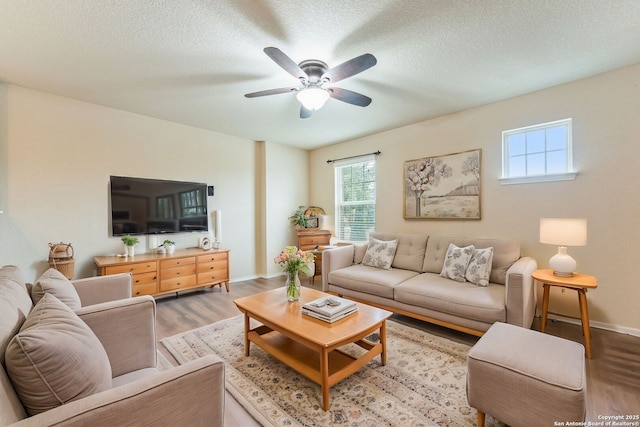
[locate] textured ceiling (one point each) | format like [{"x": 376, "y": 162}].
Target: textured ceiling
[{"x": 192, "y": 61}]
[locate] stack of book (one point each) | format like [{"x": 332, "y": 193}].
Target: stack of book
[{"x": 329, "y": 308}]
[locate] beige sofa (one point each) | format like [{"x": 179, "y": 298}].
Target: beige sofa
[
  {"x": 136, "y": 392},
  {"x": 414, "y": 287}
]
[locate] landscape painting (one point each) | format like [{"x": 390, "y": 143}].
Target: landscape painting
[{"x": 443, "y": 187}]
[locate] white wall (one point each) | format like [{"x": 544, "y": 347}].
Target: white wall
[
  {"x": 605, "y": 111},
  {"x": 58, "y": 153},
  {"x": 287, "y": 172}
]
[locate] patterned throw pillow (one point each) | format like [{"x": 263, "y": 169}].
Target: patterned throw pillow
[
  {"x": 456, "y": 261},
  {"x": 479, "y": 268},
  {"x": 380, "y": 253}
]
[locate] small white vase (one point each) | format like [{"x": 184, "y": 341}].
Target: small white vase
[
  {"x": 171, "y": 249},
  {"x": 131, "y": 250}
]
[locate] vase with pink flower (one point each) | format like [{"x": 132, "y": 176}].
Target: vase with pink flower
[{"x": 293, "y": 261}]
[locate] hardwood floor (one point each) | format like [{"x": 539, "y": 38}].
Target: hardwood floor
[{"x": 613, "y": 374}]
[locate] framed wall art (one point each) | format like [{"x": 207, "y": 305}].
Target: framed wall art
[{"x": 443, "y": 187}]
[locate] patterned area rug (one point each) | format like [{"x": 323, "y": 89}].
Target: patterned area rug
[{"x": 423, "y": 383}]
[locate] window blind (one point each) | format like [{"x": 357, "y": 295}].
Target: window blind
[{"x": 355, "y": 181}]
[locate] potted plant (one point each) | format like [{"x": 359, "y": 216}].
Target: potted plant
[
  {"x": 129, "y": 244},
  {"x": 297, "y": 219},
  {"x": 169, "y": 246}
]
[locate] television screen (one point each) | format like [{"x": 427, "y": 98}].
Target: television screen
[{"x": 152, "y": 206}]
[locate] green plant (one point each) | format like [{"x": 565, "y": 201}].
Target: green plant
[
  {"x": 130, "y": 240},
  {"x": 298, "y": 218},
  {"x": 167, "y": 243}
]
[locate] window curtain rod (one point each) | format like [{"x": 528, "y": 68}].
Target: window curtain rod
[{"x": 375, "y": 153}]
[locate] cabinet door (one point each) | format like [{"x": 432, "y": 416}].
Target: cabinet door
[
  {"x": 213, "y": 268},
  {"x": 309, "y": 242},
  {"x": 177, "y": 273},
  {"x": 177, "y": 283},
  {"x": 133, "y": 268},
  {"x": 177, "y": 262},
  {"x": 145, "y": 278},
  {"x": 145, "y": 289}
]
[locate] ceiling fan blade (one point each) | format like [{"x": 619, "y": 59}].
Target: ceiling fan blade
[
  {"x": 350, "y": 68},
  {"x": 349, "y": 96},
  {"x": 271, "y": 92},
  {"x": 305, "y": 113},
  {"x": 286, "y": 63}
]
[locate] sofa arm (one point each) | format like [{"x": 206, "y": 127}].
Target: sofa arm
[
  {"x": 94, "y": 290},
  {"x": 187, "y": 395},
  {"x": 333, "y": 259},
  {"x": 521, "y": 292},
  {"x": 127, "y": 330}
]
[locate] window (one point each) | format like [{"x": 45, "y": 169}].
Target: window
[
  {"x": 164, "y": 207},
  {"x": 355, "y": 199},
  {"x": 537, "y": 153},
  {"x": 194, "y": 202}
]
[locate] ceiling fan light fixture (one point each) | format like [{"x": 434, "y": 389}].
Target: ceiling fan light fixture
[{"x": 312, "y": 98}]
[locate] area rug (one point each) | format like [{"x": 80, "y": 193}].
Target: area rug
[{"x": 423, "y": 383}]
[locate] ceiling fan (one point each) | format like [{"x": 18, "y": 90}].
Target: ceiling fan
[{"x": 316, "y": 78}]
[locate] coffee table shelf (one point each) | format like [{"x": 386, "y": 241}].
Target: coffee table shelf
[{"x": 307, "y": 361}]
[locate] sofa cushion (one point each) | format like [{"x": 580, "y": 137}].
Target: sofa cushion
[
  {"x": 55, "y": 358},
  {"x": 410, "y": 252},
  {"x": 464, "y": 299},
  {"x": 505, "y": 253},
  {"x": 456, "y": 261},
  {"x": 370, "y": 280},
  {"x": 15, "y": 304},
  {"x": 380, "y": 253},
  {"x": 479, "y": 268},
  {"x": 55, "y": 283}
]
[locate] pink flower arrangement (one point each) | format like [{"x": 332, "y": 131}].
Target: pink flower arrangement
[{"x": 293, "y": 260}]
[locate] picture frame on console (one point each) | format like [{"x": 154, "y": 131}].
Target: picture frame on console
[{"x": 443, "y": 187}]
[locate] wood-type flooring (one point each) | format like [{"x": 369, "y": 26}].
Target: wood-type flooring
[{"x": 613, "y": 374}]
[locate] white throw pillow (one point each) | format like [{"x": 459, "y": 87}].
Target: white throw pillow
[
  {"x": 360, "y": 248},
  {"x": 456, "y": 261},
  {"x": 380, "y": 253},
  {"x": 55, "y": 358},
  {"x": 479, "y": 268},
  {"x": 55, "y": 283}
]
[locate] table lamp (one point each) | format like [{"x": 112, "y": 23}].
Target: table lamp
[{"x": 564, "y": 232}]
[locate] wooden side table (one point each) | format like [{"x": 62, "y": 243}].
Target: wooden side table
[{"x": 578, "y": 282}]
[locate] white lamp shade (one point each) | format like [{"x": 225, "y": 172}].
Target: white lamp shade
[
  {"x": 563, "y": 231},
  {"x": 313, "y": 98}
]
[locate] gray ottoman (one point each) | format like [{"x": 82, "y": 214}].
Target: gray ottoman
[{"x": 526, "y": 378}]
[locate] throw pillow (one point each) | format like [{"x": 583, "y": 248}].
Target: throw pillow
[
  {"x": 380, "y": 253},
  {"x": 456, "y": 261},
  {"x": 55, "y": 358},
  {"x": 55, "y": 283},
  {"x": 360, "y": 248},
  {"x": 479, "y": 268}
]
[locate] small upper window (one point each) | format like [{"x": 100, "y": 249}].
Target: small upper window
[{"x": 537, "y": 153}]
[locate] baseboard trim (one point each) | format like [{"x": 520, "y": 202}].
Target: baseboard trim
[
  {"x": 600, "y": 325},
  {"x": 243, "y": 278}
]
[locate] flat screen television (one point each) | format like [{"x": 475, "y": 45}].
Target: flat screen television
[{"x": 153, "y": 206}]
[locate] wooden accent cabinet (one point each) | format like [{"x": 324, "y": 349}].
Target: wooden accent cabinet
[
  {"x": 310, "y": 238},
  {"x": 157, "y": 274}
]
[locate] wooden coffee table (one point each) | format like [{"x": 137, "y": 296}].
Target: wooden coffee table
[{"x": 309, "y": 345}]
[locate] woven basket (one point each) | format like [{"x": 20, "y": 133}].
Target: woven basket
[{"x": 61, "y": 258}]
